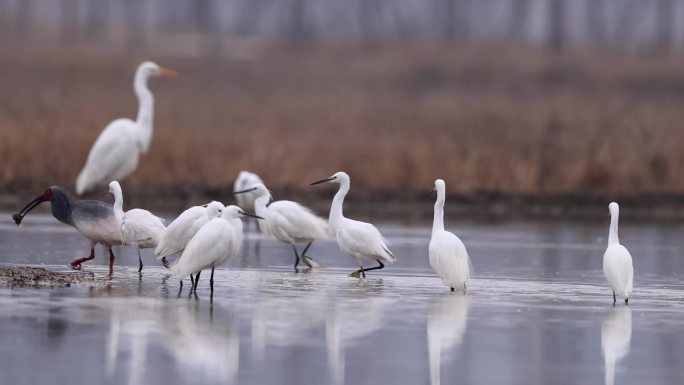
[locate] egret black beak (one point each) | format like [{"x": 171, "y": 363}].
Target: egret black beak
[
  {"x": 250, "y": 215},
  {"x": 105, "y": 192},
  {"x": 321, "y": 181},
  {"x": 21, "y": 214},
  {"x": 245, "y": 191},
  {"x": 433, "y": 189}
]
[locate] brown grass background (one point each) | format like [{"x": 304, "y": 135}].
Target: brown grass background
[{"x": 486, "y": 119}]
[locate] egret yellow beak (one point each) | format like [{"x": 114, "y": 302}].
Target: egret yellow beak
[{"x": 167, "y": 72}]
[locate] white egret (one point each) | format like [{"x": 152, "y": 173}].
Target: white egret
[
  {"x": 288, "y": 221},
  {"x": 217, "y": 241},
  {"x": 359, "y": 239},
  {"x": 139, "y": 228},
  {"x": 448, "y": 255},
  {"x": 116, "y": 152},
  {"x": 617, "y": 262},
  {"x": 244, "y": 181},
  {"x": 616, "y": 337},
  {"x": 183, "y": 228}
]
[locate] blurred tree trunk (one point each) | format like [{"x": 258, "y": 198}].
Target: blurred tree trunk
[
  {"x": 24, "y": 18},
  {"x": 665, "y": 22},
  {"x": 297, "y": 30},
  {"x": 520, "y": 10},
  {"x": 134, "y": 12},
  {"x": 68, "y": 20},
  {"x": 456, "y": 15},
  {"x": 96, "y": 19},
  {"x": 596, "y": 21},
  {"x": 249, "y": 12},
  {"x": 556, "y": 37}
]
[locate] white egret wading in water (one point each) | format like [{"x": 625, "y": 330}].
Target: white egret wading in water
[
  {"x": 139, "y": 228},
  {"x": 182, "y": 229},
  {"x": 116, "y": 152},
  {"x": 244, "y": 181},
  {"x": 359, "y": 239},
  {"x": 617, "y": 262},
  {"x": 289, "y": 222},
  {"x": 216, "y": 242},
  {"x": 448, "y": 255},
  {"x": 94, "y": 219}
]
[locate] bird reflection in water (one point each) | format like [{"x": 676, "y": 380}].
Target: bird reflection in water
[
  {"x": 199, "y": 347},
  {"x": 616, "y": 336},
  {"x": 446, "y": 326}
]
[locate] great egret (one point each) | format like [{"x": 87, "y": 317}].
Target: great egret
[
  {"x": 182, "y": 229},
  {"x": 288, "y": 221},
  {"x": 116, "y": 152},
  {"x": 359, "y": 239},
  {"x": 216, "y": 242},
  {"x": 95, "y": 220},
  {"x": 617, "y": 262},
  {"x": 139, "y": 228},
  {"x": 448, "y": 255}
]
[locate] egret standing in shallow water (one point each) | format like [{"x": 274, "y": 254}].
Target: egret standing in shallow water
[
  {"x": 448, "y": 255},
  {"x": 359, "y": 239},
  {"x": 617, "y": 262},
  {"x": 288, "y": 221},
  {"x": 139, "y": 228},
  {"x": 182, "y": 229},
  {"x": 216, "y": 242},
  {"x": 116, "y": 152},
  {"x": 94, "y": 219}
]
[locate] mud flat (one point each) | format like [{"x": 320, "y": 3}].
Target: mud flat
[{"x": 38, "y": 276}]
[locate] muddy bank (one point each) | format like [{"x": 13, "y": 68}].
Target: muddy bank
[{"x": 38, "y": 276}]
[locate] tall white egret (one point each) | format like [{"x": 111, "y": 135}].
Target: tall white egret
[
  {"x": 116, "y": 152},
  {"x": 139, "y": 228},
  {"x": 288, "y": 221},
  {"x": 183, "y": 228},
  {"x": 616, "y": 337},
  {"x": 216, "y": 242},
  {"x": 617, "y": 262},
  {"x": 359, "y": 239},
  {"x": 448, "y": 255}
]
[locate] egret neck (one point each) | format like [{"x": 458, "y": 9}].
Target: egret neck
[
  {"x": 613, "y": 232},
  {"x": 438, "y": 220},
  {"x": 145, "y": 118},
  {"x": 260, "y": 203},
  {"x": 118, "y": 204},
  {"x": 336, "y": 215}
]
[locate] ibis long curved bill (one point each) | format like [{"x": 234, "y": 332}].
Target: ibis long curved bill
[{"x": 18, "y": 217}]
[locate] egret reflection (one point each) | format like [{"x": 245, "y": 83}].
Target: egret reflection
[
  {"x": 616, "y": 336},
  {"x": 446, "y": 326}
]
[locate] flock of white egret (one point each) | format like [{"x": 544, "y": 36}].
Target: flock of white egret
[{"x": 208, "y": 236}]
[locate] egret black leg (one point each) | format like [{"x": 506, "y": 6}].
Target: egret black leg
[
  {"x": 464, "y": 288},
  {"x": 306, "y": 248},
  {"x": 626, "y": 301},
  {"x": 180, "y": 289},
  {"x": 192, "y": 281},
  {"x": 614, "y": 298},
  {"x": 111, "y": 261},
  {"x": 197, "y": 280},
  {"x": 378, "y": 267},
  {"x": 165, "y": 262},
  {"x": 140, "y": 262},
  {"x": 296, "y": 256},
  {"x": 211, "y": 281},
  {"x": 452, "y": 289}
]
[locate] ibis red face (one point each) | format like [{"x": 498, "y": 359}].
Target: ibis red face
[{"x": 44, "y": 197}]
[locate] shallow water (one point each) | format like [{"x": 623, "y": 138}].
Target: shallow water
[{"x": 536, "y": 312}]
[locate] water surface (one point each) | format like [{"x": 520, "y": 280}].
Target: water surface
[{"x": 537, "y": 312}]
